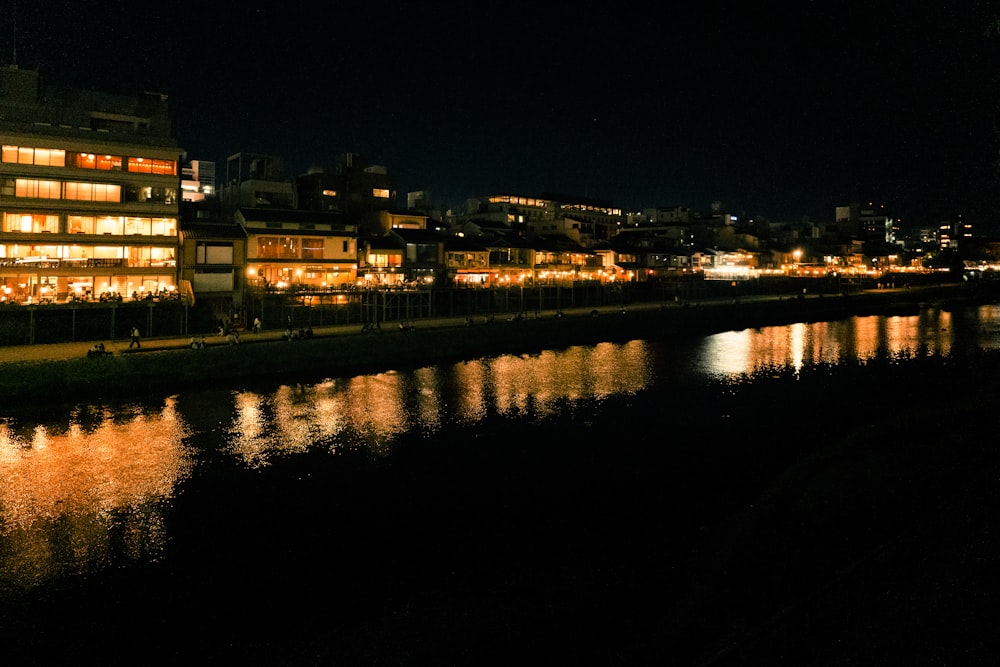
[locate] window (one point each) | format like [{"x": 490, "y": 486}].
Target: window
[
  {"x": 94, "y": 192},
  {"x": 30, "y": 223},
  {"x": 99, "y": 162},
  {"x": 36, "y": 189},
  {"x": 213, "y": 253},
  {"x": 150, "y": 166},
  {"x": 277, "y": 247},
  {"x": 385, "y": 259},
  {"x": 164, "y": 226},
  {"x": 109, "y": 225},
  {"x": 312, "y": 248},
  {"x": 49, "y": 157},
  {"x": 80, "y": 224},
  {"x": 137, "y": 226},
  {"x": 380, "y": 193}
]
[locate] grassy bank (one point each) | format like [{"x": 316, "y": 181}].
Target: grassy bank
[{"x": 333, "y": 356}]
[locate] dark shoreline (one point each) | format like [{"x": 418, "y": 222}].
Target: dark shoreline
[{"x": 132, "y": 374}]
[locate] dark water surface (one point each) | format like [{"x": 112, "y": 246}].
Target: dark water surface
[{"x": 609, "y": 504}]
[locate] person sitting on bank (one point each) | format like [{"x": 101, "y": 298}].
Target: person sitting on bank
[{"x": 97, "y": 350}]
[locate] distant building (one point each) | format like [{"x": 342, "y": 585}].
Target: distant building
[
  {"x": 868, "y": 223},
  {"x": 356, "y": 189},
  {"x": 197, "y": 180},
  {"x": 954, "y": 232},
  {"x": 256, "y": 180},
  {"x": 418, "y": 201},
  {"x": 89, "y": 192},
  {"x": 585, "y": 220},
  {"x": 671, "y": 215}
]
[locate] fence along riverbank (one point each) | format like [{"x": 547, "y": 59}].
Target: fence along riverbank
[{"x": 156, "y": 318}]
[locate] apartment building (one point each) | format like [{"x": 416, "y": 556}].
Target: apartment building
[{"x": 89, "y": 193}]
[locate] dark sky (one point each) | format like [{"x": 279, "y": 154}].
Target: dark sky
[{"x": 782, "y": 110}]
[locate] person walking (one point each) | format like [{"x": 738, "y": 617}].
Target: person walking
[
  {"x": 256, "y": 325},
  {"x": 135, "y": 338}
]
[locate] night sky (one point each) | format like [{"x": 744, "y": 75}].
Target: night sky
[{"x": 776, "y": 110}]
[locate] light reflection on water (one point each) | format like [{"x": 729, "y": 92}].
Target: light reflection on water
[
  {"x": 371, "y": 410},
  {"x": 932, "y": 332},
  {"x": 86, "y": 492},
  {"x": 93, "y": 489}
]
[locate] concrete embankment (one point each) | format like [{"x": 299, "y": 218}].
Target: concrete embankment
[{"x": 173, "y": 365}]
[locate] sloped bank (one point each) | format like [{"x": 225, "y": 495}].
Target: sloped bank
[{"x": 311, "y": 360}]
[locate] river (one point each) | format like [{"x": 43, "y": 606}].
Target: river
[{"x": 561, "y": 507}]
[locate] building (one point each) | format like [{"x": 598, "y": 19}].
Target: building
[
  {"x": 953, "y": 233},
  {"x": 868, "y": 223},
  {"x": 586, "y": 221},
  {"x": 358, "y": 190},
  {"x": 197, "y": 180},
  {"x": 302, "y": 251},
  {"x": 89, "y": 193},
  {"x": 213, "y": 262},
  {"x": 256, "y": 180}
]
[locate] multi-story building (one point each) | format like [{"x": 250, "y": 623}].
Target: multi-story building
[
  {"x": 868, "y": 223},
  {"x": 356, "y": 189},
  {"x": 198, "y": 182},
  {"x": 89, "y": 193},
  {"x": 298, "y": 250},
  {"x": 587, "y": 221},
  {"x": 954, "y": 232},
  {"x": 258, "y": 181}
]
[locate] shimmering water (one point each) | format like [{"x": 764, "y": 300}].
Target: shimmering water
[{"x": 226, "y": 518}]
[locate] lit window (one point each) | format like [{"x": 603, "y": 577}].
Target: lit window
[
  {"x": 49, "y": 157},
  {"x": 30, "y": 223},
  {"x": 80, "y": 224},
  {"x": 164, "y": 226},
  {"x": 312, "y": 248},
  {"x": 99, "y": 162},
  {"x": 380, "y": 193},
  {"x": 93, "y": 192},
  {"x": 151, "y": 166},
  {"x": 36, "y": 189}
]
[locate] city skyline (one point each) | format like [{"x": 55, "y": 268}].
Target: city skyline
[{"x": 777, "y": 115}]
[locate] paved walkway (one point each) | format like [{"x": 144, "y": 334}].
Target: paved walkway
[{"x": 56, "y": 351}]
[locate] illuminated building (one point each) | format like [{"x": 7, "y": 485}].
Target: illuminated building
[
  {"x": 89, "y": 193},
  {"x": 298, "y": 250},
  {"x": 868, "y": 223},
  {"x": 584, "y": 220},
  {"x": 952, "y": 233},
  {"x": 198, "y": 180}
]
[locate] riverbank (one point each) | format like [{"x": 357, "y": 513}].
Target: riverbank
[{"x": 171, "y": 364}]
